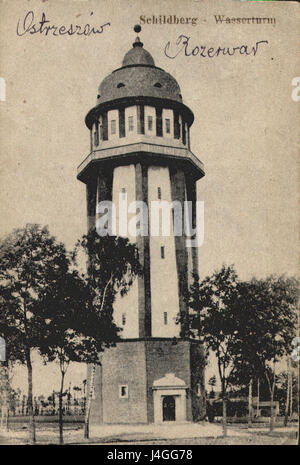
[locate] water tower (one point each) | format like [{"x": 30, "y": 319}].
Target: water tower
[{"x": 140, "y": 147}]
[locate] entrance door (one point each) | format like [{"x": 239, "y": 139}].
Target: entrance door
[{"x": 169, "y": 408}]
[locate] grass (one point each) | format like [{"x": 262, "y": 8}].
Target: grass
[{"x": 47, "y": 433}]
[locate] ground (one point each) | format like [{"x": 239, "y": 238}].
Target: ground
[{"x": 166, "y": 434}]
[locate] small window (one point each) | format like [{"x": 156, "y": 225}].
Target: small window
[
  {"x": 198, "y": 390},
  {"x": 113, "y": 126},
  {"x": 157, "y": 84},
  {"x": 120, "y": 85},
  {"x": 165, "y": 318},
  {"x": 123, "y": 193},
  {"x": 150, "y": 123},
  {"x": 184, "y": 133},
  {"x": 168, "y": 126},
  {"x": 2, "y": 349},
  {"x": 123, "y": 391},
  {"x": 123, "y": 319},
  {"x": 98, "y": 96},
  {"x": 162, "y": 252},
  {"x": 96, "y": 138},
  {"x": 101, "y": 130},
  {"x": 130, "y": 123},
  {"x": 159, "y": 193}
]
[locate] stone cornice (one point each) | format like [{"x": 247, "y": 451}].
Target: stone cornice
[{"x": 137, "y": 150}]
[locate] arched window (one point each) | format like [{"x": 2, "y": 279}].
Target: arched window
[
  {"x": 120, "y": 85},
  {"x": 158, "y": 84}
]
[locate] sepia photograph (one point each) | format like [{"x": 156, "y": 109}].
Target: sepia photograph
[{"x": 149, "y": 235}]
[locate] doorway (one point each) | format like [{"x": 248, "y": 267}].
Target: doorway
[{"x": 168, "y": 408}]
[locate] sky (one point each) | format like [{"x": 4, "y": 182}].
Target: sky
[{"x": 246, "y": 128}]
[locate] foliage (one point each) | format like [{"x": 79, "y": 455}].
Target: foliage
[
  {"x": 30, "y": 260},
  {"x": 281, "y": 392},
  {"x": 248, "y": 325},
  {"x": 266, "y": 320},
  {"x": 113, "y": 264},
  {"x": 212, "y": 318}
]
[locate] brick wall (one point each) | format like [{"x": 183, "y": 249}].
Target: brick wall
[
  {"x": 162, "y": 357},
  {"x": 138, "y": 363},
  {"x": 124, "y": 365},
  {"x": 96, "y": 405}
]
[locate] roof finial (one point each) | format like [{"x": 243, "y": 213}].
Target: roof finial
[{"x": 137, "y": 43}]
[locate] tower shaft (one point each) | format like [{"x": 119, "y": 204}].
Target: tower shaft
[{"x": 141, "y": 162}]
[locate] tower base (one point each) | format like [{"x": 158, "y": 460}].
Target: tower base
[{"x": 151, "y": 380}]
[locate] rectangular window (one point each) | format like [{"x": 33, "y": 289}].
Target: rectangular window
[
  {"x": 96, "y": 134},
  {"x": 176, "y": 126},
  {"x": 162, "y": 252},
  {"x": 140, "y": 119},
  {"x": 168, "y": 126},
  {"x": 183, "y": 133},
  {"x": 96, "y": 141},
  {"x": 113, "y": 126},
  {"x": 101, "y": 131},
  {"x": 123, "y": 391},
  {"x": 105, "y": 126},
  {"x": 123, "y": 193},
  {"x": 122, "y": 122},
  {"x": 165, "y": 318},
  {"x": 159, "y": 128},
  {"x": 150, "y": 123},
  {"x": 159, "y": 193},
  {"x": 130, "y": 123},
  {"x": 123, "y": 319},
  {"x": 198, "y": 389}
]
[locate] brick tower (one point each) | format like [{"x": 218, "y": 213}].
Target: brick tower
[{"x": 140, "y": 147}]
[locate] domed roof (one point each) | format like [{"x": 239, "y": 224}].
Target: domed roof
[
  {"x": 137, "y": 55},
  {"x": 138, "y": 77}
]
